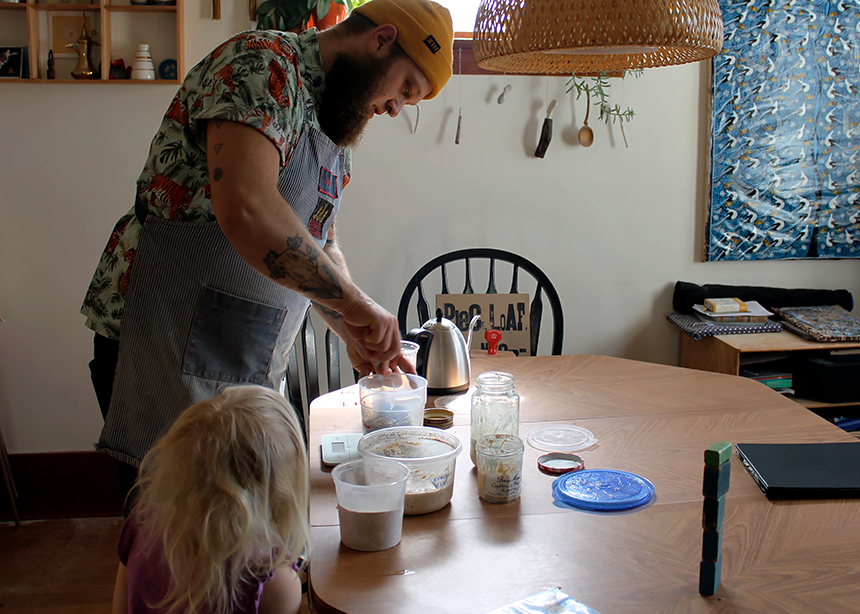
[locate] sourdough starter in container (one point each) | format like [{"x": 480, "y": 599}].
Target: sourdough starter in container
[{"x": 500, "y": 467}]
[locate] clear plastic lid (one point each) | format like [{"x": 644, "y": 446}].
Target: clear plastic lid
[
  {"x": 561, "y": 438},
  {"x": 602, "y": 489}
]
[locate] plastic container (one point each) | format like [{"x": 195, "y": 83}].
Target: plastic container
[
  {"x": 397, "y": 399},
  {"x": 495, "y": 407},
  {"x": 429, "y": 453},
  {"x": 370, "y": 500},
  {"x": 409, "y": 349}
]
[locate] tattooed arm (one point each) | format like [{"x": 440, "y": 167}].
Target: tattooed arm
[
  {"x": 359, "y": 360},
  {"x": 264, "y": 230},
  {"x": 332, "y": 317}
]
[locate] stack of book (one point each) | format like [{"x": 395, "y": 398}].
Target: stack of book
[
  {"x": 731, "y": 311},
  {"x": 778, "y": 380}
]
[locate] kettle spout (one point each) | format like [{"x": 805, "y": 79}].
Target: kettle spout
[{"x": 475, "y": 318}]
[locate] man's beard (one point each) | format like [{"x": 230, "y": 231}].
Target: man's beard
[{"x": 345, "y": 107}]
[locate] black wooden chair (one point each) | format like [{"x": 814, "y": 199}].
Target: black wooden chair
[
  {"x": 6, "y": 469},
  {"x": 536, "y": 284},
  {"x": 303, "y": 379}
]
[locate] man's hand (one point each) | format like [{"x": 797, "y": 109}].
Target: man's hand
[
  {"x": 376, "y": 332},
  {"x": 365, "y": 367}
]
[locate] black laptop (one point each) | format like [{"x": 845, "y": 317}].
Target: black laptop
[{"x": 803, "y": 470}]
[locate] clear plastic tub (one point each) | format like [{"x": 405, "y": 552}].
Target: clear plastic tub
[
  {"x": 430, "y": 455},
  {"x": 392, "y": 400}
]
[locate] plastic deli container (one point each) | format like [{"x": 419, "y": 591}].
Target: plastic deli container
[{"x": 429, "y": 453}]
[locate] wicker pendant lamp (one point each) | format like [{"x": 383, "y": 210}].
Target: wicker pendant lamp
[{"x": 564, "y": 37}]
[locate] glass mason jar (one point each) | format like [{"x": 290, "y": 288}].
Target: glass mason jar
[{"x": 495, "y": 407}]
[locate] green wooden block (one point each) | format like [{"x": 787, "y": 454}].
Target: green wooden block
[
  {"x": 710, "y": 575},
  {"x": 715, "y": 483},
  {"x": 712, "y": 545},
  {"x": 718, "y": 454},
  {"x": 713, "y": 513}
]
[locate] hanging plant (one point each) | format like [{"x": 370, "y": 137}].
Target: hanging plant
[
  {"x": 293, "y": 15},
  {"x": 596, "y": 90}
]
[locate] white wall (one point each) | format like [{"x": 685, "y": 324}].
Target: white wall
[{"x": 613, "y": 227}]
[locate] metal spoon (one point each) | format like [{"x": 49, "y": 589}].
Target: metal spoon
[{"x": 586, "y": 135}]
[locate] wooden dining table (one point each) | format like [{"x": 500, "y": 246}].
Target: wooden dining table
[{"x": 652, "y": 420}]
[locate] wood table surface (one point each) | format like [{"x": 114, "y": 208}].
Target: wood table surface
[{"x": 654, "y": 420}]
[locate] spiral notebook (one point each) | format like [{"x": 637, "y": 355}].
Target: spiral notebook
[{"x": 803, "y": 470}]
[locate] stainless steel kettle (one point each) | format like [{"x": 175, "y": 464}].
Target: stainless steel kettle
[{"x": 446, "y": 364}]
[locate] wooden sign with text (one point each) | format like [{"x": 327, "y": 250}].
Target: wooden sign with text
[{"x": 508, "y": 313}]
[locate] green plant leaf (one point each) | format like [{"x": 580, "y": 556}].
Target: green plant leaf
[
  {"x": 322, "y": 7},
  {"x": 264, "y": 7}
]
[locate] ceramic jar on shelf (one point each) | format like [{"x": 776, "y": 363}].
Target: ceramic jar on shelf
[{"x": 143, "y": 68}]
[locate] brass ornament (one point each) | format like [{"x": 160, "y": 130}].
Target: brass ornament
[{"x": 85, "y": 68}]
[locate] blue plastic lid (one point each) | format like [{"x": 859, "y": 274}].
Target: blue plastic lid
[{"x": 602, "y": 489}]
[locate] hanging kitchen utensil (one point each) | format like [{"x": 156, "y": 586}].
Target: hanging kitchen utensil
[
  {"x": 586, "y": 134},
  {"x": 546, "y": 131},
  {"x": 504, "y": 94},
  {"x": 459, "y": 95}
]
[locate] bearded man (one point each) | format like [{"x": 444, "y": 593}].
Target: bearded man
[{"x": 206, "y": 280}]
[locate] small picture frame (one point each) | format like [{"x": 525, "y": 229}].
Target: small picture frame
[
  {"x": 12, "y": 62},
  {"x": 66, "y": 29}
]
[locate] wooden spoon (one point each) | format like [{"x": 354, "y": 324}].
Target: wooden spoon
[{"x": 586, "y": 135}]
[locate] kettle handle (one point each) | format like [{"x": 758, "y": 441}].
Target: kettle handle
[{"x": 423, "y": 338}]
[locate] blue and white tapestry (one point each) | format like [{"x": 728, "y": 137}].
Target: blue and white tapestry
[{"x": 785, "y": 139}]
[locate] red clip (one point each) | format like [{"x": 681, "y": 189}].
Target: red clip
[{"x": 493, "y": 337}]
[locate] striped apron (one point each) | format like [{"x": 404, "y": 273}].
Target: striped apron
[{"x": 198, "y": 318}]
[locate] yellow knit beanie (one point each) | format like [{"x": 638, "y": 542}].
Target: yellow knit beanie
[{"x": 424, "y": 31}]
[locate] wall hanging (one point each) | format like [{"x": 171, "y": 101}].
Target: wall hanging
[{"x": 785, "y": 132}]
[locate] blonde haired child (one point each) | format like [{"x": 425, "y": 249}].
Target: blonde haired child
[{"x": 222, "y": 513}]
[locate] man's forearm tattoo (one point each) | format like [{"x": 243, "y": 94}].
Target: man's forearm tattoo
[
  {"x": 300, "y": 263},
  {"x": 334, "y": 315}
]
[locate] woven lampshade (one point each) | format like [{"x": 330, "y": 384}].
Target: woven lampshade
[{"x": 564, "y": 37}]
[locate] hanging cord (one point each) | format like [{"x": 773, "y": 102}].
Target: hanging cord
[
  {"x": 417, "y": 118},
  {"x": 459, "y": 95}
]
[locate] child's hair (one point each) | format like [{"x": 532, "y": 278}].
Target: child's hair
[{"x": 225, "y": 491}]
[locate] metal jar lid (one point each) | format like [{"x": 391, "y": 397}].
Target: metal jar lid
[
  {"x": 558, "y": 463},
  {"x": 438, "y": 418}
]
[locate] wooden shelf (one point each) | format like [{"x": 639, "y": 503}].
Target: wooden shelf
[
  {"x": 118, "y": 29},
  {"x": 65, "y": 8},
  {"x": 813, "y": 404},
  {"x": 726, "y": 354}
]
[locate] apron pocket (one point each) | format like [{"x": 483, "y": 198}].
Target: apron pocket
[{"x": 232, "y": 339}]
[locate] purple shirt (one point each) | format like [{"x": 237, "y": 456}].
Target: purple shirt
[{"x": 148, "y": 576}]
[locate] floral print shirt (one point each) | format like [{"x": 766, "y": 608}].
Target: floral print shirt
[{"x": 264, "y": 79}]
